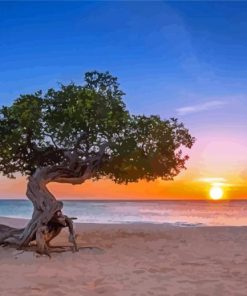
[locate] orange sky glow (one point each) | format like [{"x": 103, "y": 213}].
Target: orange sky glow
[{"x": 213, "y": 161}]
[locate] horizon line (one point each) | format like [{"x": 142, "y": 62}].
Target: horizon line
[{"x": 133, "y": 200}]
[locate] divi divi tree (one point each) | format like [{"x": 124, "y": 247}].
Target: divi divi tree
[{"x": 76, "y": 133}]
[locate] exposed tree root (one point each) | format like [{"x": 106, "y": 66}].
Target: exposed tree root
[{"x": 11, "y": 236}]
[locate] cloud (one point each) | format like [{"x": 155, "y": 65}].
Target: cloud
[
  {"x": 216, "y": 182},
  {"x": 211, "y": 180},
  {"x": 200, "y": 107}
]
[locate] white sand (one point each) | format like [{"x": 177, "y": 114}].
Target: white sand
[{"x": 132, "y": 260}]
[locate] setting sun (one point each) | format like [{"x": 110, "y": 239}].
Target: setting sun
[{"x": 216, "y": 193}]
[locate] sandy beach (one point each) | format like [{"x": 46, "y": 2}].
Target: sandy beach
[{"x": 132, "y": 260}]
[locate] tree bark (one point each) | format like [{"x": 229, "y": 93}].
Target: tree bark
[
  {"x": 44, "y": 203},
  {"x": 47, "y": 219}
]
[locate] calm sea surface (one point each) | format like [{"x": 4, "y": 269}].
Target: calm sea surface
[{"x": 181, "y": 213}]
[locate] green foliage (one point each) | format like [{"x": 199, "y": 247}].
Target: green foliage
[
  {"x": 37, "y": 130},
  {"x": 148, "y": 149}
]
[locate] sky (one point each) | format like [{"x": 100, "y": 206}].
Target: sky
[{"x": 176, "y": 59}]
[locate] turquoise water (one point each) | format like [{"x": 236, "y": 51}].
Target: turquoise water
[{"x": 181, "y": 213}]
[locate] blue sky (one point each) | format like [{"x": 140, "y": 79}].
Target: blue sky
[
  {"x": 165, "y": 54},
  {"x": 176, "y": 59}
]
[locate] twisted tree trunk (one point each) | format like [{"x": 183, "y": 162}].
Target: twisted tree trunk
[{"x": 48, "y": 220}]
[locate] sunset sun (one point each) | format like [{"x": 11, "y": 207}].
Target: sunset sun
[{"x": 216, "y": 193}]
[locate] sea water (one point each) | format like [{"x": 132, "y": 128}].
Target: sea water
[{"x": 180, "y": 213}]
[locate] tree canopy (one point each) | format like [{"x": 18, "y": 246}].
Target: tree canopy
[
  {"x": 72, "y": 125},
  {"x": 81, "y": 132}
]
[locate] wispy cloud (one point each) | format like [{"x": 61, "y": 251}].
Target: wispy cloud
[
  {"x": 200, "y": 107},
  {"x": 211, "y": 180},
  {"x": 216, "y": 182}
]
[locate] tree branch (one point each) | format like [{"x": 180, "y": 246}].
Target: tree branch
[{"x": 78, "y": 176}]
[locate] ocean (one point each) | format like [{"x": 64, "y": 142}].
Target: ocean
[{"x": 180, "y": 213}]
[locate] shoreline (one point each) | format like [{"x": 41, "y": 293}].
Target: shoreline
[{"x": 20, "y": 222}]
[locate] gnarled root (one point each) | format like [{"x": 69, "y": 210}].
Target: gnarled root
[
  {"x": 47, "y": 232},
  {"x": 72, "y": 236},
  {"x": 42, "y": 247},
  {"x": 10, "y": 235},
  {"x": 43, "y": 236}
]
